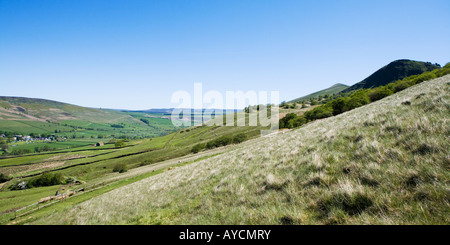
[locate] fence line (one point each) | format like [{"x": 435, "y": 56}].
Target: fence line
[{"x": 52, "y": 200}]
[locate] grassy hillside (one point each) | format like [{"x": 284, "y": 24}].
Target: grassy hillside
[
  {"x": 78, "y": 125},
  {"x": 392, "y": 72},
  {"x": 382, "y": 163},
  {"x": 338, "y": 87},
  {"x": 43, "y": 110}
]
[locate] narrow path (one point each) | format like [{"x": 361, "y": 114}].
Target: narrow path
[{"x": 171, "y": 139}]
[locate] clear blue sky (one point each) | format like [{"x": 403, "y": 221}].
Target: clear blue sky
[{"x": 132, "y": 54}]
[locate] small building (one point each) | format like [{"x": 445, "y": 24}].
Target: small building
[
  {"x": 99, "y": 144},
  {"x": 2, "y": 136}
]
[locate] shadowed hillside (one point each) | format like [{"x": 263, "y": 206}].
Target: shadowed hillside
[{"x": 392, "y": 72}]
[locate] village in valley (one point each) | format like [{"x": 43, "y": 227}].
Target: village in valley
[
  {"x": 19, "y": 144},
  {"x": 32, "y": 138}
]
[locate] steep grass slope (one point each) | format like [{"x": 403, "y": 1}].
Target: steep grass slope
[{"x": 383, "y": 163}]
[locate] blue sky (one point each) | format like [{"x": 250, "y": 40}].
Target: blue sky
[{"x": 132, "y": 54}]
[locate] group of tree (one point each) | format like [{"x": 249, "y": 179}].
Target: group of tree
[
  {"x": 321, "y": 99},
  {"x": 145, "y": 120},
  {"x": 253, "y": 108},
  {"x": 4, "y": 177},
  {"x": 120, "y": 168},
  {"x": 17, "y": 152},
  {"x": 285, "y": 105},
  {"x": 221, "y": 141},
  {"x": 4, "y": 145},
  {"x": 45, "y": 179},
  {"x": 358, "y": 98},
  {"x": 300, "y": 104},
  {"x": 45, "y": 148}
]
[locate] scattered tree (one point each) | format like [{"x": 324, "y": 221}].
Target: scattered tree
[
  {"x": 197, "y": 148},
  {"x": 120, "y": 167},
  {"x": 120, "y": 144},
  {"x": 379, "y": 93},
  {"x": 238, "y": 138},
  {"x": 4, "y": 177}
]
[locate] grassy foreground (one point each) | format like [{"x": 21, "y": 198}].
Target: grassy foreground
[{"x": 383, "y": 163}]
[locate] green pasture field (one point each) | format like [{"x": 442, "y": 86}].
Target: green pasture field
[
  {"x": 27, "y": 127},
  {"x": 71, "y": 143}
]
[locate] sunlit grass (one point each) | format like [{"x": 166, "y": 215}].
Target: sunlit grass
[{"x": 383, "y": 163}]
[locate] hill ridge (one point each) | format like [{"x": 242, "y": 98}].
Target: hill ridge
[
  {"x": 395, "y": 70},
  {"x": 334, "y": 89}
]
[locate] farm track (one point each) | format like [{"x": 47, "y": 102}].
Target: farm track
[{"x": 167, "y": 143}]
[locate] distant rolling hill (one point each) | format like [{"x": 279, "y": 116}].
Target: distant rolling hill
[
  {"x": 338, "y": 87},
  {"x": 197, "y": 115},
  {"x": 392, "y": 72},
  {"x": 20, "y": 108},
  {"x": 39, "y": 116},
  {"x": 168, "y": 111}
]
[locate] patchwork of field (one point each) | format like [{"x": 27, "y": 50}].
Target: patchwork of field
[{"x": 93, "y": 165}]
